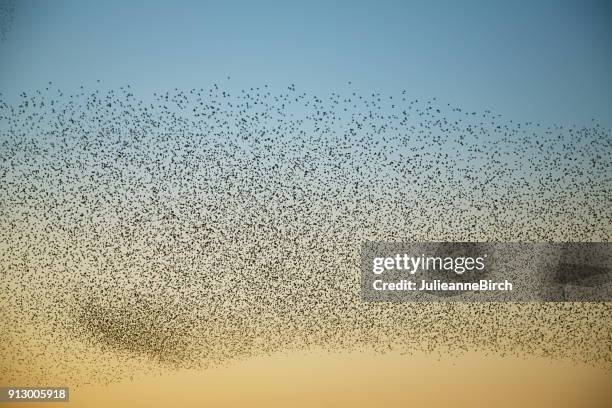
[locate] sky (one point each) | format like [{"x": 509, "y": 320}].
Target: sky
[{"x": 545, "y": 61}]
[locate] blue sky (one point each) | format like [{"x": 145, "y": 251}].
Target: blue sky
[{"x": 547, "y": 61}]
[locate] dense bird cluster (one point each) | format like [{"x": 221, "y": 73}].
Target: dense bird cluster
[{"x": 197, "y": 226}]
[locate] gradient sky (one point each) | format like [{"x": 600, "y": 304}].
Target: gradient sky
[{"x": 547, "y": 61}]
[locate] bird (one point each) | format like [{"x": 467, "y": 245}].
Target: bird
[{"x": 193, "y": 227}]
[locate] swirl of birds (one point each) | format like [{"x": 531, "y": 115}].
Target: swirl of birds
[{"x": 195, "y": 227}]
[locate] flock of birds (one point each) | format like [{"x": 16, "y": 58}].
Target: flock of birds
[{"x": 195, "y": 227}]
